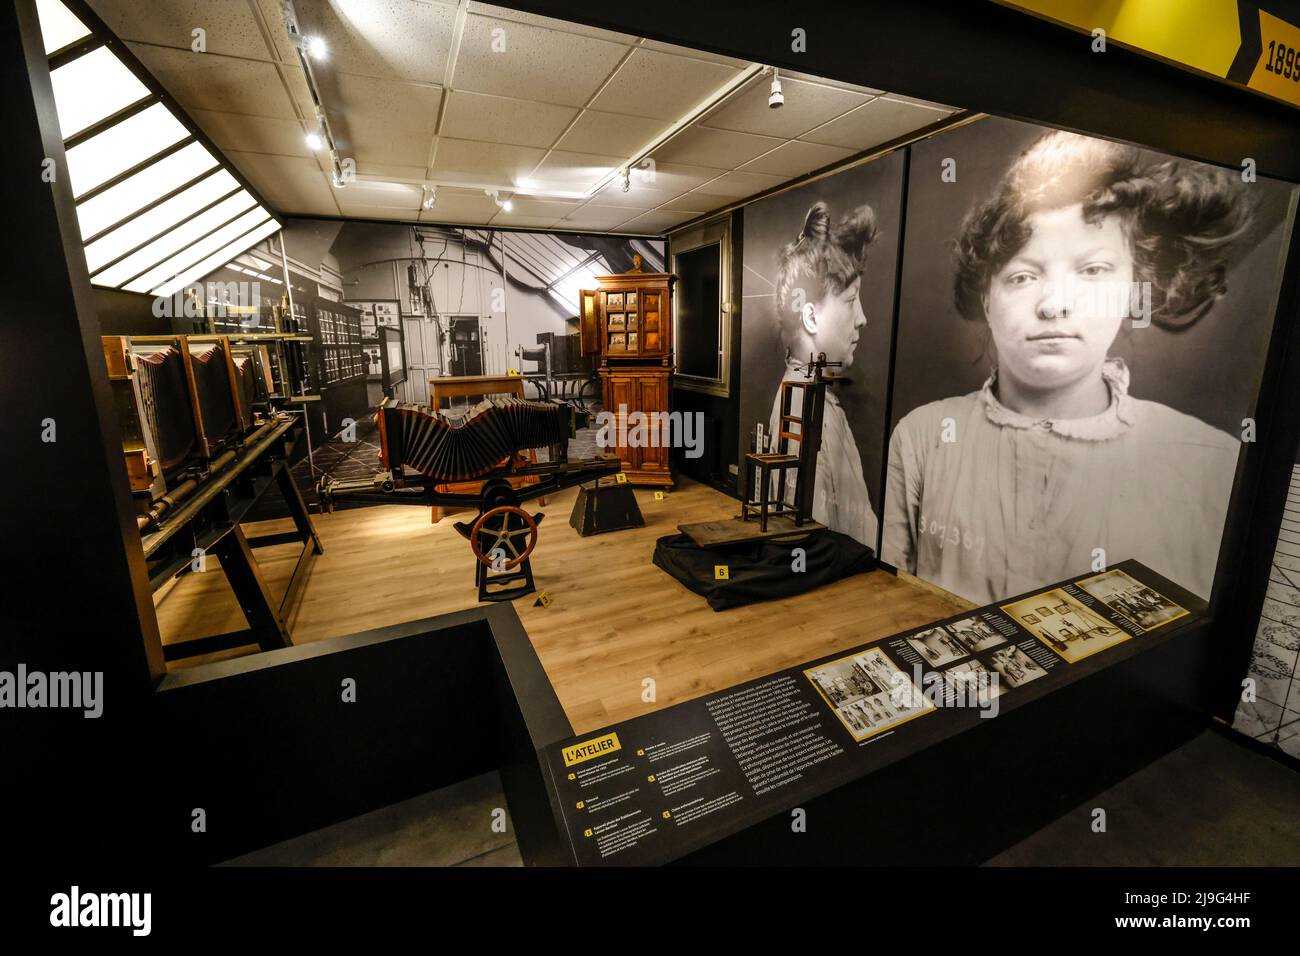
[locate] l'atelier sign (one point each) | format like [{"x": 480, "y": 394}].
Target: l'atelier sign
[
  {"x": 654, "y": 788},
  {"x": 1233, "y": 40}
]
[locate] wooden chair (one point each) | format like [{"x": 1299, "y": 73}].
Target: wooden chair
[{"x": 781, "y": 461}]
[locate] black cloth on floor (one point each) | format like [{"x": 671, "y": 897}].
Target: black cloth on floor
[{"x": 762, "y": 570}]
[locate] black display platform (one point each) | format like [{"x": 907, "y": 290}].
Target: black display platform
[
  {"x": 718, "y": 779},
  {"x": 762, "y": 569}
]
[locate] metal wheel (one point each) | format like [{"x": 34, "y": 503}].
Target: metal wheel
[{"x": 506, "y": 528}]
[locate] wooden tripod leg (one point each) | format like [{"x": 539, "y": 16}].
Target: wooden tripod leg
[{"x": 251, "y": 592}]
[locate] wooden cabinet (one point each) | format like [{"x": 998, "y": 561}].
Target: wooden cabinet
[{"x": 628, "y": 322}]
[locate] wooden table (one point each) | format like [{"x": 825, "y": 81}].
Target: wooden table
[{"x": 461, "y": 386}]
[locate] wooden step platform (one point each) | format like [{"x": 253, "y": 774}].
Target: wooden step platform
[{"x": 719, "y": 534}]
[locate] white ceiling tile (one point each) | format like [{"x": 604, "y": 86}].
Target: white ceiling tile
[
  {"x": 655, "y": 221},
  {"x": 291, "y": 184},
  {"x": 918, "y": 102},
  {"x": 698, "y": 203},
  {"x": 642, "y": 197},
  {"x": 395, "y": 103},
  {"x": 541, "y": 208},
  {"x": 535, "y": 63},
  {"x": 676, "y": 177},
  {"x": 273, "y": 19},
  {"x": 661, "y": 85},
  {"x": 562, "y": 26},
  {"x": 593, "y": 216},
  {"x": 500, "y": 119},
  {"x": 823, "y": 81},
  {"x": 395, "y": 39},
  {"x": 208, "y": 81},
  {"x": 513, "y": 218},
  {"x": 362, "y": 211},
  {"x": 597, "y": 132},
  {"x": 392, "y": 195},
  {"x": 796, "y": 158},
  {"x": 384, "y": 121},
  {"x": 573, "y": 171},
  {"x": 253, "y": 134},
  {"x": 460, "y": 206},
  {"x": 697, "y": 54},
  {"x": 376, "y": 143},
  {"x": 391, "y": 172},
  {"x": 230, "y": 27},
  {"x": 807, "y": 105},
  {"x": 742, "y": 185},
  {"x": 874, "y": 123},
  {"x": 715, "y": 148},
  {"x": 469, "y": 161}
]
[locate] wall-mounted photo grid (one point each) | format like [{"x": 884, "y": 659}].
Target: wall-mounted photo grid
[
  {"x": 820, "y": 275},
  {"x": 1082, "y": 328}
]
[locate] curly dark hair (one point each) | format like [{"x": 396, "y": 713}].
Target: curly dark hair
[
  {"x": 1182, "y": 219},
  {"x": 828, "y": 256}
]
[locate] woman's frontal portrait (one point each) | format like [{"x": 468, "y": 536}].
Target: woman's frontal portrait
[
  {"x": 1081, "y": 328},
  {"x": 1052, "y": 311}
]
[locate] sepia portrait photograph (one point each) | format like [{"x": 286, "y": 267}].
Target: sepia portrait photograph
[{"x": 1082, "y": 326}]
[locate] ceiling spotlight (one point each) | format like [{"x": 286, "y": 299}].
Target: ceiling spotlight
[
  {"x": 316, "y": 47},
  {"x": 314, "y": 141},
  {"x": 627, "y": 178},
  {"x": 504, "y": 204},
  {"x": 430, "y": 196},
  {"x": 507, "y": 205},
  {"x": 775, "y": 99},
  {"x": 337, "y": 178}
]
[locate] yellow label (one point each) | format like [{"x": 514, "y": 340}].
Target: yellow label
[
  {"x": 513, "y": 372},
  {"x": 621, "y": 478},
  {"x": 721, "y": 572},
  {"x": 667, "y": 815},
  {"x": 1278, "y": 71},
  {"x": 590, "y": 749},
  {"x": 660, "y": 496},
  {"x": 544, "y": 599},
  {"x": 1201, "y": 34}
]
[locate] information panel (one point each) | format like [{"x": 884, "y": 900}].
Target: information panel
[{"x": 653, "y": 788}]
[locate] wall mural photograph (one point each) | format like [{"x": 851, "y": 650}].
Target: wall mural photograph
[
  {"x": 1082, "y": 327},
  {"x": 820, "y": 265}
]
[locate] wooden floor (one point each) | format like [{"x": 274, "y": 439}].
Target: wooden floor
[{"x": 615, "y": 619}]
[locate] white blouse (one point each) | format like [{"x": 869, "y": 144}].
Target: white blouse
[
  {"x": 988, "y": 503},
  {"x": 840, "y": 498}
]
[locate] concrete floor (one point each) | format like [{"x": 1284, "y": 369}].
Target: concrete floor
[{"x": 1211, "y": 802}]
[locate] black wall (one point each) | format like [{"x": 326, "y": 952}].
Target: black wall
[
  {"x": 723, "y": 437},
  {"x": 129, "y": 313}
]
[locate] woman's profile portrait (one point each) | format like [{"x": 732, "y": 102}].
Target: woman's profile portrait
[
  {"x": 819, "y": 312},
  {"x": 820, "y": 277}
]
